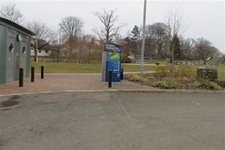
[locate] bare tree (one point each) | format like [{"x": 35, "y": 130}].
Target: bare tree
[
  {"x": 159, "y": 32},
  {"x": 187, "y": 47},
  {"x": 175, "y": 24},
  {"x": 110, "y": 30},
  {"x": 11, "y": 12},
  {"x": 44, "y": 35},
  {"x": 71, "y": 28},
  {"x": 204, "y": 50}
]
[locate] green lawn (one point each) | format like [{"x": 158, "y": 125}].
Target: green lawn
[
  {"x": 221, "y": 71},
  {"x": 51, "y": 67},
  {"x": 221, "y": 75}
]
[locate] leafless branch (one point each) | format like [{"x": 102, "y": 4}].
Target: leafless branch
[
  {"x": 110, "y": 30},
  {"x": 11, "y": 12}
]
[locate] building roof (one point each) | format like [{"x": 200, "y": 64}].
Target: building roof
[{"x": 15, "y": 26}]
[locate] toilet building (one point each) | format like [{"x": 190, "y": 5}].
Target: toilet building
[{"x": 14, "y": 50}]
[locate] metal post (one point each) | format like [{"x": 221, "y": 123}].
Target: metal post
[
  {"x": 32, "y": 74},
  {"x": 21, "y": 77},
  {"x": 42, "y": 72},
  {"x": 110, "y": 79},
  {"x": 143, "y": 41},
  {"x": 121, "y": 74}
]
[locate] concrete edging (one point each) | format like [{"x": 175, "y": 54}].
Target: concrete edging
[{"x": 127, "y": 90}]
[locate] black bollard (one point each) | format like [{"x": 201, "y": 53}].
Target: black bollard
[
  {"x": 42, "y": 72},
  {"x": 110, "y": 79},
  {"x": 32, "y": 74},
  {"x": 121, "y": 74},
  {"x": 21, "y": 77}
]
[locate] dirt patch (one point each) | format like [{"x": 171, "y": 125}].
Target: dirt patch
[
  {"x": 9, "y": 103},
  {"x": 12, "y": 101},
  {"x": 13, "y": 98}
]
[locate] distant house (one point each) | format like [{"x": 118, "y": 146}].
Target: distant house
[
  {"x": 44, "y": 52},
  {"x": 14, "y": 50},
  {"x": 40, "y": 53}
]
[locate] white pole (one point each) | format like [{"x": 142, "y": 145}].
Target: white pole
[
  {"x": 143, "y": 40},
  {"x": 36, "y": 55}
]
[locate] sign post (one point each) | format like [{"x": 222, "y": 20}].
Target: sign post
[{"x": 111, "y": 61}]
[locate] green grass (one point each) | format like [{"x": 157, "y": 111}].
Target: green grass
[
  {"x": 221, "y": 75},
  {"x": 51, "y": 67},
  {"x": 66, "y": 67},
  {"x": 136, "y": 68}
]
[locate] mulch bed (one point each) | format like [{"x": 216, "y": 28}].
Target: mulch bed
[{"x": 151, "y": 79}]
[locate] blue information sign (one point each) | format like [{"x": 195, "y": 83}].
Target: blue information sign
[
  {"x": 112, "y": 47},
  {"x": 114, "y": 65},
  {"x": 113, "y": 61}
]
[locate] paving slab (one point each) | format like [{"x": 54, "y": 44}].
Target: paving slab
[
  {"x": 66, "y": 82},
  {"x": 81, "y": 82}
]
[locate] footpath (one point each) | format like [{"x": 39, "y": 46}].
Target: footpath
[
  {"x": 78, "y": 82},
  {"x": 66, "y": 82}
]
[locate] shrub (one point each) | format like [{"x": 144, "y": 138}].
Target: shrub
[
  {"x": 206, "y": 85},
  {"x": 179, "y": 71},
  {"x": 184, "y": 71},
  {"x": 162, "y": 71},
  {"x": 137, "y": 78},
  {"x": 167, "y": 84}
]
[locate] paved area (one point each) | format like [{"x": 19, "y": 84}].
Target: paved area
[
  {"x": 113, "y": 121},
  {"x": 78, "y": 82},
  {"x": 65, "y": 82}
]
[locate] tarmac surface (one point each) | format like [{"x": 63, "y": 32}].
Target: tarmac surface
[
  {"x": 78, "y": 111},
  {"x": 78, "y": 82},
  {"x": 112, "y": 121}
]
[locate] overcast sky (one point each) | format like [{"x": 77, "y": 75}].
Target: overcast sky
[{"x": 202, "y": 18}]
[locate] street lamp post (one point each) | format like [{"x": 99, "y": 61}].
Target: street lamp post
[{"x": 143, "y": 40}]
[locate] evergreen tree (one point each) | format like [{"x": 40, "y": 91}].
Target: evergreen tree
[
  {"x": 135, "y": 40},
  {"x": 135, "y": 32},
  {"x": 177, "y": 47}
]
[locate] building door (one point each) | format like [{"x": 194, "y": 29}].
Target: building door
[{"x": 10, "y": 59}]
